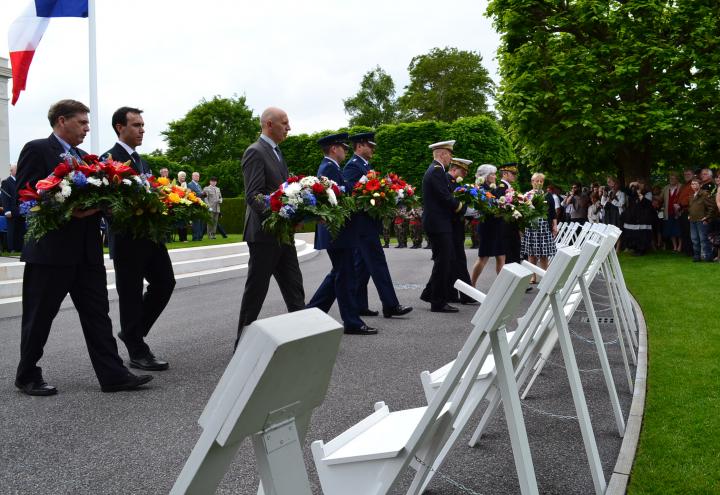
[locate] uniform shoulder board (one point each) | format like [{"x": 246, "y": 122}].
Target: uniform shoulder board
[{"x": 439, "y": 166}]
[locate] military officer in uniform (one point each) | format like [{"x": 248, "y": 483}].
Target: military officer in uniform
[
  {"x": 340, "y": 282},
  {"x": 458, "y": 171},
  {"x": 440, "y": 207},
  {"x": 416, "y": 230},
  {"x": 369, "y": 257}
]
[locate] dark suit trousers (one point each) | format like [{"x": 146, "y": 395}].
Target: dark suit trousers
[
  {"x": 459, "y": 264},
  {"x": 442, "y": 272},
  {"x": 138, "y": 311},
  {"x": 339, "y": 283},
  {"x": 44, "y": 288},
  {"x": 512, "y": 244},
  {"x": 270, "y": 259},
  {"x": 15, "y": 233},
  {"x": 370, "y": 262}
]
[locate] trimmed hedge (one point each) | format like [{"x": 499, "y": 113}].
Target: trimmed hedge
[
  {"x": 403, "y": 148},
  {"x": 233, "y": 214}
]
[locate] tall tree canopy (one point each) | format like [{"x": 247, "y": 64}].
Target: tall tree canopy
[
  {"x": 610, "y": 85},
  {"x": 212, "y": 132},
  {"x": 446, "y": 84},
  {"x": 374, "y": 103}
]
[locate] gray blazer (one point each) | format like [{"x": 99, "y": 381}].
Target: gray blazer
[{"x": 263, "y": 174}]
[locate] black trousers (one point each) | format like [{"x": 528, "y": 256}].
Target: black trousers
[
  {"x": 15, "y": 233},
  {"x": 370, "y": 262},
  {"x": 270, "y": 259},
  {"x": 44, "y": 288},
  {"x": 459, "y": 266},
  {"x": 139, "y": 311},
  {"x": 443, "y": 256},
  {"x": 339, "y": 284},
  {"x": 512, "y": 244}
]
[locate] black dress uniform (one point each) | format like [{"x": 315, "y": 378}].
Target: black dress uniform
[
  {"x": 459, "y": 262},
  {"x": 439, "y": 209}
]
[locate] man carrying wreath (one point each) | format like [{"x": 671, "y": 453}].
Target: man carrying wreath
[{"x": 66, "y": 260}]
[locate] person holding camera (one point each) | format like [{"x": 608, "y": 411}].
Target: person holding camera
[{"x": 579, "y": 200}]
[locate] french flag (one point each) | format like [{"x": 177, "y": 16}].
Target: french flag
[{"x": 27, "y": 31}]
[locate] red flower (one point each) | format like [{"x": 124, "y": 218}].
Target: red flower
[
  {"x": 336, "y": 190},
  {"x": 62, "y": 170},
  {"x": 318, "y": 188},
  {"x": 372, "y": 185},
  {"x": 47, "y": 184},
  {"x": 91, "y": 159},
  {"x": 292, "y": 179},
  {"x": 28, "y": 193},
  {"x": 276, "y": 201},
  {"x": 87, "y": 170}
]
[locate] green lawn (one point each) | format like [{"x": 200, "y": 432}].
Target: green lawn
[{"x": 679, "y": 450}]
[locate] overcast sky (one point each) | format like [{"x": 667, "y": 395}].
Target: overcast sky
[{"x": 164, "y": 56}]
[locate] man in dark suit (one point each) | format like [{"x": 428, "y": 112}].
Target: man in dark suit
[
  {"x": 439, "y": 209},
  {"x": 340, "y": 282},
  {"x": 264, "y": 169},
  {"x": 369, "y": 256},
  {"x": 67, "y": 260},
  {"x": 508, "y": 175},
  {"x": 138, "y": 259},
  {"x": 15, "y": 222},
  {"x": 198, "y": 226}
]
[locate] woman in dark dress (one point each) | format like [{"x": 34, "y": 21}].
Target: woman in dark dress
[{"x": 490, "y": 229}]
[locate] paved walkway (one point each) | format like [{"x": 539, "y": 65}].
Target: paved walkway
[{"x": 85, "y": 442}]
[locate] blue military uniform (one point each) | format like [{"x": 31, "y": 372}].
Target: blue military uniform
[
  {"x": 340, "y": 282},
  {"x": 370, "y": 259}
]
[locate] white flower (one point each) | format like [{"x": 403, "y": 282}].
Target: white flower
[
  {"x": 331, "y": 196},
  {"x": 293, "y": 189},
  {"x": 94, "y": 181},
  {"x": 400, "y": 194},
  {"x": 105, "y": 181},
  {"x": 501, "y": 200},
  {"x": 459, "y": 180},
  {"x": 516, "y": 214},
  {"x": 376, "y": 195},
  {"x": 65, "y": 188},
  {"x": 363, "y": 179},
  {"x": 138, "y": 179},
  {"x": 294, "y": 200},
  {"x": 492, "y": 186},
  {"x": 372, "y": 202},
  {"x": 480, "y": 181},
  {"x": 127, "y": 182},
  {"x": 59, "y": 197},
  {"x": 308, "y": 181}
]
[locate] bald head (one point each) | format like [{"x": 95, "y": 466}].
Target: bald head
[
  {"x": 13, "y": 169},
  {"x": 275, "y": 124}
]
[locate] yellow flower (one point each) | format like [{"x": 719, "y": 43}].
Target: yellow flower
[
  {"x": 174, "y": 198},
  {"x": 163, "y": 181}
]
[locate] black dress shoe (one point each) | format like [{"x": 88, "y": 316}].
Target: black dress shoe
[
  {"x": 468, "y": 300},
  {"x": 363, "y": 330},
  {"x": 445, "y": 309},
  {"x": 149, "y": 363},
  {"x": 368, "y": 312},
  {"x": 398, "y": 310},
  {"x": 132, "y": 382},
  {"x": 38, "y": 387},
  {"x": 425, "y": 297}
]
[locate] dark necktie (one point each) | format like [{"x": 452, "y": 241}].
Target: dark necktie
[
  {"x": 75, "y": 152},
  {"x": 279, "y": 153},
  {"x": 136, "y": 158}
]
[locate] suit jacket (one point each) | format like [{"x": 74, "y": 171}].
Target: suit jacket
[
  {"x": 120, "y": 154},
  {"x": 347, "y": 237},
  {"x": 213, "y": 198},
  {"x": 439, "y": 205},
  {"x": 354, "y": 169},
  {"x": 263, "y": 173},
  {"x": 76, "y": 242},
  {"x": 8, "y": 196},
  {"x": 195, "y": 187},
  {"x": 125, "y": 247}
]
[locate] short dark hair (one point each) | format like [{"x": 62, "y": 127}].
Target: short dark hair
[
  {"x": 67, "y": 109},
  {"x": 213, "y": 179},
  {"x": 120, "y": 116}
]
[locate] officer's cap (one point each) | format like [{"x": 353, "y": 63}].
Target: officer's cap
[
  {"x": 443, "y": 145},
  {"x": 332, "y": 139},
  {"x": 364, "y": 137},
  {"x": 462, "y": 163},
  {"x": 509, "y": 167}
]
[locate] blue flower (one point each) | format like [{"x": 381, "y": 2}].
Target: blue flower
[
  {"x": 25, "y": 207},
  {"x": 267, "y": 200},
  {"x": 287, "y": 211},
  {"x": 342, "y": 189},
  {"x": 79, "y": 179},
  {"x": 309, "y": 199},
  {"x": 473, "y": 192}
]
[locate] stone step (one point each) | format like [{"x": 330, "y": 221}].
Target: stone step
[{"x": 188, "y": 273}]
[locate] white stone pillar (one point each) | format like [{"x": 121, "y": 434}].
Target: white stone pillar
[{"x": 5, "y": 75}]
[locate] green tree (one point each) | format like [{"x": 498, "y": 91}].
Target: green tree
[
  {"x": 610, "y": 86},
  {"x": 211, "y": 139},
  {"x": 446, "y": 84},
  {"x": 374, "y": 103}
]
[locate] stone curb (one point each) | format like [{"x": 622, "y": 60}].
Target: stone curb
[{"x": 623, "y": 467}]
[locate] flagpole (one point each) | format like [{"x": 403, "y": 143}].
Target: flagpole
[{"x": 94, "y": 127}]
